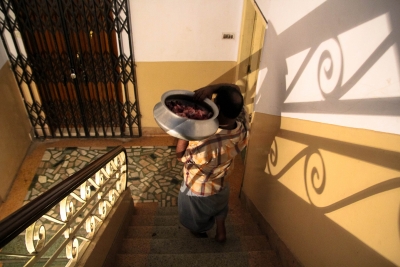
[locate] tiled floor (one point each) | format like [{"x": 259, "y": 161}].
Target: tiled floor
[
  {"x": 154, "y": 174},
  {"x": 45, "y": 159}
]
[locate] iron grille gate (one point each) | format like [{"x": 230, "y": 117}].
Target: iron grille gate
[{"x": 74, "y": 65}]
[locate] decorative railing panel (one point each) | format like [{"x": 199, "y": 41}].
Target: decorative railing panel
[{"x": 70, "y": 215}]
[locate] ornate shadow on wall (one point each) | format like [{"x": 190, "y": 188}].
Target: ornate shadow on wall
[
  {"x": 326, "y": 43},
  {"x": 322, "y": 48},
  {"x": 316, "y": 174}
]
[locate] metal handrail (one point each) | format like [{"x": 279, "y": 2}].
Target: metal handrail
[{"x": 20, "y": 220}]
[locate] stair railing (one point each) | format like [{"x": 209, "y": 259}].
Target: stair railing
[{"x": 58, "y": 225}]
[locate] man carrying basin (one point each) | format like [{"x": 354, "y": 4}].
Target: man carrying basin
[{"x": 204, "y": 193}]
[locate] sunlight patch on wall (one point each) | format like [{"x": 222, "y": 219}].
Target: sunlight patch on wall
[
  {"x": 378, "y": 123},
  {"x": 313, "y": 78},
  {"x": 297, "y": 11},
  {"x": 377, "y": 227},
  {"x": 388, "y": 85},
  {"x": 360, "y": 42}
]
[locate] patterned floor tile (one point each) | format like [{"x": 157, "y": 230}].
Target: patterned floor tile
[{"x": 154, "y": 174}]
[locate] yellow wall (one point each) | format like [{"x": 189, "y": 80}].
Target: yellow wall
[
  {"x": 250, "y": 47},
  {"x": 155, "y": 78},
  {"x": 14, "y": 130},
  {"x": 348, "y": 214}
]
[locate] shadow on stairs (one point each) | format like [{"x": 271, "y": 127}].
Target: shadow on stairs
[{"x": 156, "y": 238}]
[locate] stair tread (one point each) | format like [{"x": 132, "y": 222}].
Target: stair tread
[
  {"x": 171, "y": 220},
  {"x": 193, "y": 245},
  {"x": 155, "y": 238},
  {"x": 154, "y": 209},
  {"x": 145, "y": 208},
  {"x": 231, "y": 259},
  {"x": 178, "y": 231}
]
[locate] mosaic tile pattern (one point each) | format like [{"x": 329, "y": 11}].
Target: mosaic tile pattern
[{"x": 154, "y": 174}]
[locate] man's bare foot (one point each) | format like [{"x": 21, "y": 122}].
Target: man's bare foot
[{"x": 221, "y": 231}]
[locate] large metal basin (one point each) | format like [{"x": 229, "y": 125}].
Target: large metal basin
[{"x": 185, "y": 128}]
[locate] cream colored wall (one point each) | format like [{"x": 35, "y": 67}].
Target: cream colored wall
[
  {"x": 322, "y": 166},
  {"x": 178, "y": 45},
  {"x": 181, "y": 30},
  {"x": 14, "y": 130}
]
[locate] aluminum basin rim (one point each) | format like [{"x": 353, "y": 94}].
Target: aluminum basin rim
[{"x": 189, "y": 93}]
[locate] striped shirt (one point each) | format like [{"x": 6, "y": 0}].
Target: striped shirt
[{"x": 208, "y": 162}]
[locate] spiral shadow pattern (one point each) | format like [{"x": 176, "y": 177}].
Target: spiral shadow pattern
[
  {"x": 314, "y": 173},
  {"x": 330, "y": 69}
]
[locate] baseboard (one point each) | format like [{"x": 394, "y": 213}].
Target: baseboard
[
  {"x": 285, "y": 255},
  {"x": 153, "y": 131}
]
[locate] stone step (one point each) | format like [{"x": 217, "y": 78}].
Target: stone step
[
  {"x": 173, "y": 220},
  {"x": 193, "y": 245},
  {"x": 154, "y": 209},
  {"x": 178, "y": 231},
  {"x": 145, "y": 208},
  {"x": 231, "y": 259},
  {"x": 155, "y": 237}
]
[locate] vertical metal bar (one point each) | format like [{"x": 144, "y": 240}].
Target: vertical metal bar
[
  {"x": 42, "y": 88},
  {"x": 94, "y": 69},
  {"x": 73, "y": 68},
  {"x": 60, "y": 60},
  {"x": 133, "y": 68},
  {"x": 104, "y": 73},
  {"x": 114, "y": 67},
  {"x": 14, "y": 61},
  {"x": 7, "y": 20},
  {"x": 83, "y": 65},
  {"x": 112, "y": 35},
  {"x": 38, "y": 78},
  {"x": 69, "y": 103},
  {"x": 44, "y": 83},
  {"x": 103, "y": 51},
  {"x": 31, "y": 56},
  {"x": 121, "y": 58},
  {"x": 103, "y": 67}
]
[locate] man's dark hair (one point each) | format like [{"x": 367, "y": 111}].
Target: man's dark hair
[{"x": 230, "y": 101}]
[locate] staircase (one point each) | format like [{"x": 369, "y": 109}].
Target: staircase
[{"x": 156, "y": 238}]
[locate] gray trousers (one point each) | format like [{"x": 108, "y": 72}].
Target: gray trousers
[{"x": 198, "y": 214}]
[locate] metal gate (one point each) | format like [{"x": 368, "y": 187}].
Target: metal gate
[{"x": 74, "y": 65}]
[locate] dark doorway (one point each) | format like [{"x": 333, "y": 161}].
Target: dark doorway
[{"x": 73, "y": 61}]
